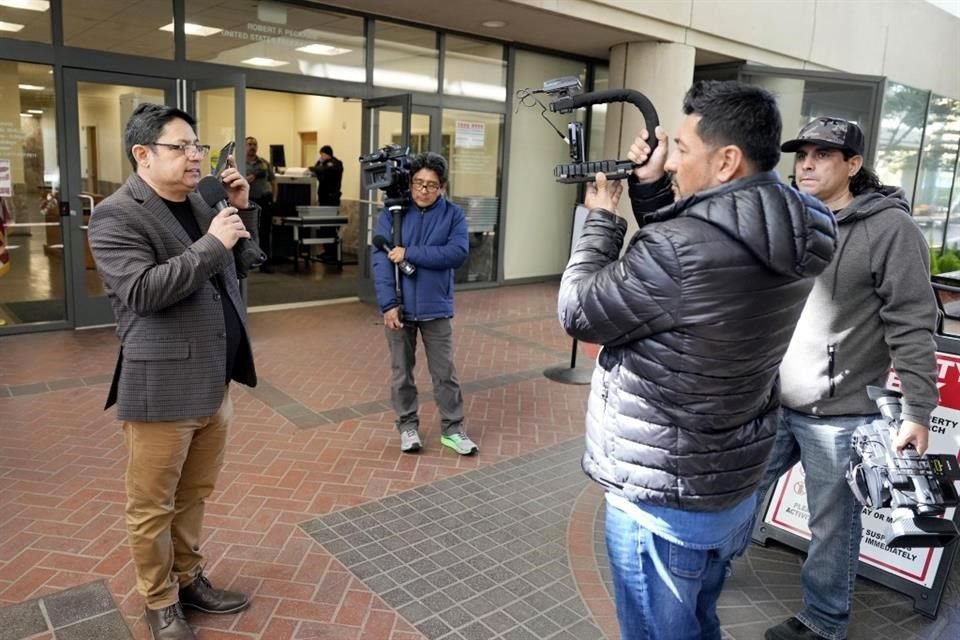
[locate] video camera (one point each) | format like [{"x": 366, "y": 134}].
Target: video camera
[
  {"x": 918, "y": 488},
  {"x": 580, "y": 169},
  {"x": 388, "y": 169}
]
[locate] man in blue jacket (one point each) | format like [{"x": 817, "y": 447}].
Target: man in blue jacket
[{"x": 433, "y": 239}]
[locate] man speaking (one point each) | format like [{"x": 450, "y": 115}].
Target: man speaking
[{"x": 694, "y": 319}]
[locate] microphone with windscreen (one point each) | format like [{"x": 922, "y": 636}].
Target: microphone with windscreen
[
  {"x": 247, "y": 255},
  {"x": 384, "y": 245}
]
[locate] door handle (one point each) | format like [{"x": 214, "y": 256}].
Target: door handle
[{"x": 84, "y": 196}]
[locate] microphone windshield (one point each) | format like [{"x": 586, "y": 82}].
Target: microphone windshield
[
  {"x": 211, "y": 190},
  {"x": 379, "y": 242}
]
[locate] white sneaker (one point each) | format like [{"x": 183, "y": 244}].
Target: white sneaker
[{"x": 410, "y": 441}]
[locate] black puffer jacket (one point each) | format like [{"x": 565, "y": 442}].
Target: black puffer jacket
[{"x": 694, "y": 320}]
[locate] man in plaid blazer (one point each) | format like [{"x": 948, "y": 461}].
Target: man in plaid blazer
[{"x": 166, "y": 261}]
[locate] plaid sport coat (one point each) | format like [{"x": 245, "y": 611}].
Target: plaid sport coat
[{"x": 172, "y": 360}]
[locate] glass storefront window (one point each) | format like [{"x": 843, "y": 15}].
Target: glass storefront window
[
  {"x": 901, "y": 128},
  {"x": 474, "y": 69},
  {"x": 405, "y": 58},
  {"x": 931, "y": 198},
  {"x": 132, "y": 27},
  {"x": 32, "y": 283},
  {"x": 802, "y": 99},
  {"x": 471, "y": 142},
  {"x": 26, "y": 20},
  {"x": 277, "y": 37}
]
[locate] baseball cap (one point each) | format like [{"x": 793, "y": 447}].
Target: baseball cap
[{"x": 835, "y": 133}]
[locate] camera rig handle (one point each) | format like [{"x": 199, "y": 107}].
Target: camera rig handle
[{"x": 581, "y": 170}]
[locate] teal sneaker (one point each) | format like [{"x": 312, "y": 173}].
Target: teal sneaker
[{"x": 460, "y": 443}]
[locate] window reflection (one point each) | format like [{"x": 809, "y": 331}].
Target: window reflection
[
  {"x": 475, "y": 69},
  {"x": 405, "y": 58},
  {"x": 901, "y": 129},
  {"x": 278, "y": 37},
  {"x": 27, "y": 21},
  {"x": 132, "y": 27}
]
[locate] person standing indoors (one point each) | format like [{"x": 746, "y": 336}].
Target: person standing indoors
[
  {"x": 263, "y": 191},
  {"x": 166, "y": 261},
  {"x": 694, "y": 319},
  {"x": 433, "y": 239},
  {"x": 329, "y": 172},
  {"x": 872, "y": 306}
]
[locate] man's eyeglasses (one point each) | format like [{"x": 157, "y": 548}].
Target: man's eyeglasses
[
  {"x": 190, "y": 148},
  {"x": 425, "y": 185}
]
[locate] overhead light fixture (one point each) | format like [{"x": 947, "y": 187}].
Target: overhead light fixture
[
  {"x": 31, "y": 87},
  {"x": 324, "y": 50},
  {"x": 192, "y": 29},
  {"x": 493, "y": 24},
  {"x": 12, "y": 27},
  {"x": 26, "y": 115},
  {"x": 38, "y": 112},
  {"x": 29, "y": 5},
  {"x": 264, "y": 62}
]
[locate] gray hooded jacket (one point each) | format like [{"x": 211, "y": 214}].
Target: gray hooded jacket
[
  {"x": 694, "y": 320},
  {"x": 873, "y": 304}
]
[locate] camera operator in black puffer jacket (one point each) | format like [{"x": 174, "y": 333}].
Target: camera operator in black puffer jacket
[{"x": 694, "y": 320}]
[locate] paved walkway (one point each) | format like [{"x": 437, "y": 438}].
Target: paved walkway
[{"x": 317, "y": 514}]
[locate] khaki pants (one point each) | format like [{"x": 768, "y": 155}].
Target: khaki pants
[{"x": 171, "y": 469}]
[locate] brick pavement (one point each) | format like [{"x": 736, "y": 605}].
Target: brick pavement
[{"x": 314, "y": 440}]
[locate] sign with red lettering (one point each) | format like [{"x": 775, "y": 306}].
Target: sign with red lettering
[{"x": 788, "y": 505}]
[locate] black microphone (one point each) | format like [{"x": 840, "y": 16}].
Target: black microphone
[
  {"x": 384, "y": 245},
  {"x": 246, "y": 253}
]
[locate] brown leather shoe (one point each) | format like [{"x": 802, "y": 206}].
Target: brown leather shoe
[
  {"x": 201, "y": 595},
  {"x": 169, "y": 623}
]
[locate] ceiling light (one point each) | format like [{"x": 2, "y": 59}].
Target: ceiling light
[
  {"x": 26, "y": 115},
  {"x": 31, "y": 87},
  {"x": 493, "y": 24},
  {"x": 324, "y": 50},
  {"x": 264, "y": 62},
  {"x": 192, "y": 29},
  {"x": 29, "y": 5},
  {"x": 38, "y": 112},
  {"x": 10, "y": 26}
]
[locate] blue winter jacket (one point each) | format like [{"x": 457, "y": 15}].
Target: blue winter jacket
[{"x": 436, "y": 243}]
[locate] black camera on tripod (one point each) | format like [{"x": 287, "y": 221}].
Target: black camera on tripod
[
  {"x": 580, "y": 169},
  {"x": 387, "y": 169},
  {"x": 917, "y": 488}
]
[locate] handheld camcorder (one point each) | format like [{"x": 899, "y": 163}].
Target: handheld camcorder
[
  {"x": 917, "y": 488},
  {"x": 579, "y": 169},
  {"x": 387, "y": 169}
]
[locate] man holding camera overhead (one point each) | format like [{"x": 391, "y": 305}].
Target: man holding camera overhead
[
  {"x": 694, "y": 318},
  {"x": 873, "y": 305},
  {"x": 166, "y": 261}
]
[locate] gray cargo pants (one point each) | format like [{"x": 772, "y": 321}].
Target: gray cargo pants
[{"x": 438, "y": 343}]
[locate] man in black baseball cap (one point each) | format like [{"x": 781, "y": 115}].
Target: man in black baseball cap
[
  {"x": 873, "y": 305},
  {"x": 832, "y": 133}
]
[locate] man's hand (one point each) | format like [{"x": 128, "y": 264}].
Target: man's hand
[
  {"x": 603, "y": 194},
  {"x": 397, "y": 254},
  {"x": 227, "y": 227},
  {"x": 391, "y": 319},
  {"x": 640, "y": 151},
  {"x": 238, "y": 189},
  {"x": 912, "y": 433}
]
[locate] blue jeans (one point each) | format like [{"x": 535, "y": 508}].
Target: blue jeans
[
  {"x": 664, "y": 591},
  {"x": 823, "y": 446}
]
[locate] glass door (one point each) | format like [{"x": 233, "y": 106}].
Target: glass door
[
  {"x": 385, "y": 121},
  {"x": 98, "y": 106},
  {"x": 220, "y": 109},
  {"x": 33, "y": 273}
]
